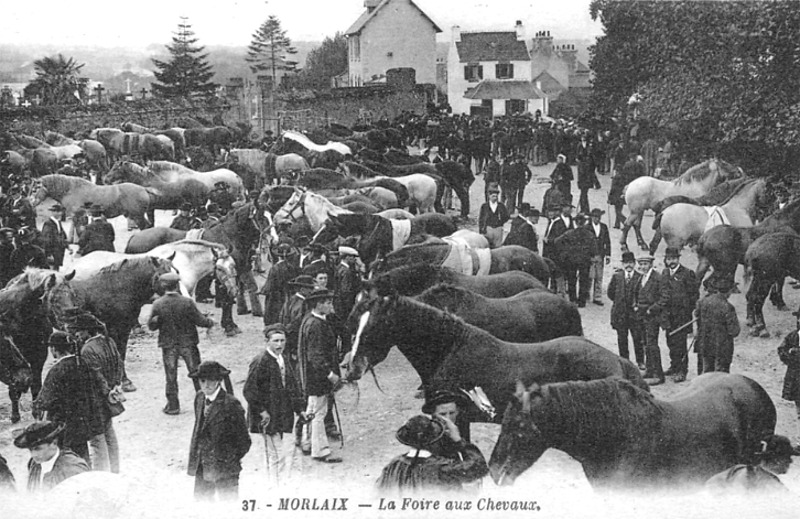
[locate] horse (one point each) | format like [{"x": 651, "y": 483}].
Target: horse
[
  {"x": 74, "y": 193},
  {"x": 466, "y": 259},
  {"x": 25, "y": 313},
  {"x": 683, "y": 224},
  {"x": 379, "y": 235},
  {"x": 411, "y": 280},
  {"x": 40, "y": 161},
  {"x": 723, "y": 247},
  {"x": 396, "y": 214},
  {"x": 95, "y": 152},
  {"x": 15, "y": 371},
  {"x": 145, "y": 145},
  {"x": 627, "y": 439},
  {"x": 171, "y": 191},
  {"x": 313, "y": 206},
  {"x": 276, "y": 165},
  {"x": 329, "y": 182},
  {"x": 193, "y": 259},
  {"x": 642, "y": 193},
  {"x": 213, "y": 139},
  {"x": 448, "y": 353},
  {"x": 308, "y": 144},
  {"x": 115, "y": 295},
  {"x": 530, "y": 316},
  {"x": 768, "y": 260},
  {"x": 172, "y": 172}
]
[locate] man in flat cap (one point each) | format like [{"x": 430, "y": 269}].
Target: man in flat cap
[
  {"x": 176, "y": 318},
  {"x": 274, "y": 399},
  {"x": 53, "y": 239},
  {"x": 347, "y": 282},
  {"x": 220, "y": 437},
  {"x": 184, "y": 221},
  {"x": 98, "y": 235},
  {"x": 49, "y": 464},
  {"x": 649, "y": 297}
]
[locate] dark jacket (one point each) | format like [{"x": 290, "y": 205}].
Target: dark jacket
[
  {"x": 27, "y": 255},
  {"x": 522, "y": 233},
  {"x": 554, "y": 197},
  {"x": 277, "y": 289},
  {"x": 789, "y": 353},
  {"x": 348, "y": 284},
  {"x": 101, "y": 355},
  {"x": 317, "y": 355},
  {"x": 54, "y": 242},
  {"x": 219, "y": 440},
  {"x": 558, "y": 228},
  {"x": 681, "y": 293},
  {"x": 622, "y": 296},
  {"x": 576, "y": 247},
  {"x": 650, "y": 298},
  {"x": 6, "y": 267},
  {"x": 562, "y": 177},
  {"x": 185, "y": 223},
  {"x": 487, "y": 218},
  {"x": 717, "y": 325},
  {"x": 264, "y": 391},
  {"x": 98, "y": 235},
  {"x": 603, "y": 241},
  {"x": 176, "y": 317},
  {"x": 67, "y": 464},
  {"x": 434, "y": 473},
  {"x": 19, "y": 213}
]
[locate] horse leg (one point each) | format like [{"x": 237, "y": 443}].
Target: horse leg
[
  {"x": 655, "y": 242},
  {"x": 14, "y": 395},
  {"x": 629, "y": 222},
  {"x": 637, "y": 227},
  {"x": 755, "y": 298},
  {"x": 122, "y": 347},
  {"x": 776, "y": 295}
]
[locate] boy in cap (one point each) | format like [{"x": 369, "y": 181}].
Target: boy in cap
[
  {"x": 220, "y": 437},
  {"x": 681, "y": 294},
  {"x": 184, "y": 221},
  {"x": 717, "y": 326},
  {"x": 523, "y": 228},
  {"x": 53, "y": 238},
  {"x": 621, "y": 291},
  {"x": 276, "y": 288},
  {"x": 493, "y": 215},
  {"x": 176, "y": 317},
  {"x": 649, "y": 301},
  {"x": 602, "y": 258},
  {"x": 273, "y": 397},
  {"x": 49, "y": 464}
]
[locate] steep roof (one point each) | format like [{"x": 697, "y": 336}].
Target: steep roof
[
  {"x": 491, "y": 46},
  {"x": 490, "y": 89},
  {"x": 581, "y": 68},
  {"x": 366, "y": 16},
  {"x": 549, "y": 83}
]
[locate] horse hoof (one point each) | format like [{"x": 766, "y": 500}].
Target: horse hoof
[
  {"x": 749, "y": 322},
  {"x": 128, "y": 387}
]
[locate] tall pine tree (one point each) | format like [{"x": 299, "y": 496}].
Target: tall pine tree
[
  {"x": 270, "y": 50},
  {"x": 188, "y": 73}
]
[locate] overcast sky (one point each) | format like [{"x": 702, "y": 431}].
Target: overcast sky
[{"x": 137, "y": 23}]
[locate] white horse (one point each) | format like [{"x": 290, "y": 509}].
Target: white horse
[
  {"x": 308, "y": 144},
  {"x": 193, "y": 259},
  {"x": 315, "y": 207}
]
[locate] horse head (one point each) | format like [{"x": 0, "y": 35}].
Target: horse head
[
  {"x": 520, "y": 442},
  {"x": 225, "y": 270},
  {"x": 371, "y": 344},
  {"x": 39, "y": 192},
  {"x": 160, "y": 267}
]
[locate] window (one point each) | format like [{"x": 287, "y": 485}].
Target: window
[
  {"x": 355, "y": 48},
  {"x": 504, "y": 71},
  {"x": 473, "y": 72}
]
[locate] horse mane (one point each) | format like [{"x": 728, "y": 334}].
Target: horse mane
[
  {"x": 722, "y": 193},
  {"x": 696, "y": 173},
  {"x": 56, "y": 183},
  {"x": 596, "y": 407},
  {"x": 419, "y": 272},
  {"x": 446, "y": 289},
  {"x": 114, "y": 268}
]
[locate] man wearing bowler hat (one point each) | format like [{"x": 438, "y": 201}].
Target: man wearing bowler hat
[
  {"x": 649, "y": 301},
  {"x": 98, "y": 235},
  {"x": 184, "y": 221},
  {"x": 621, "y": 290},
  {"x": 717, "y": 326},
  {"x": 523, "y": 228},
  {"x": 681, "y": 293},
  {"x": 53, "y": 239},
  {"x": 276, "y": 288},
  {"x": 603, "y": 256},
  {"x": 49, "y": 464},
  {"x": 294, "y": 310},
  {"x": 220, "y": 437},
  {"x": 18, "y": 209},
  {"x": 176, "y": 317},
  {"x": 491, "y": 218}
]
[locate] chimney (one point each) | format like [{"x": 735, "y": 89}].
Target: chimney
[
  {"x": 456, "y": 33},
  {"x": 371, "y": 5},
  {"x": 520, "y": 30}
]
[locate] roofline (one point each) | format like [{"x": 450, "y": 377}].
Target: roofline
[{"x": 378, "y": 8}]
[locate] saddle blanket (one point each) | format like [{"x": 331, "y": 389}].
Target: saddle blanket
[
  {"x": 401, "y": 230},
  {"x": 194, "y": 234},
  {"x": 466, "y": 260},
  {"x": 716, "y": 216}
]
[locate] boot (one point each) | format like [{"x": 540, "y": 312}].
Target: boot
[
  {"x": 255, "y": 304},
  {"x": 173, "y": 406}
]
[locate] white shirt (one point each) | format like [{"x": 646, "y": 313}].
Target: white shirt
[
  {"x": 567, "y": 220},
  {"x": 493, "y": 206},
  {"x": 47, "y": 466},
  {"x": 281, "y": 364},
  {"x": 58, "y": 224},
  {"x": 596, "y": 228},
  {"x": 646, "y": 276}
]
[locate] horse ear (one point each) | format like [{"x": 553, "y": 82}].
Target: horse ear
[
  {"x": 68, "y": 277},
  {"x": 171, "y": 256}
]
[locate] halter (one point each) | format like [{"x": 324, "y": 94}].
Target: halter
[{"x": 301, "y": 202}]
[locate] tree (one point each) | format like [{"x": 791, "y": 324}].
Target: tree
[
  {"x": 326, "y": 61},
  {"x": 57, "y": 81},
  {"x": 188, "y": 74},
  {"x": 270, "y": 49}
]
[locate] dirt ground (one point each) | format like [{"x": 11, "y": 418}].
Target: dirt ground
[{"x": 154, "y": 447}]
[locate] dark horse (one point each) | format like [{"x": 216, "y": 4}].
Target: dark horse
[
  {"x": 115, "y": 295},
  {"x": 530, "y": 316},
  {"x": 414, "y": 279},
  {"x": 768, "y": 260},
  {"x": 25, "y": 313},
  {"x": 379, "y": 235},
  {"x": 448, "y": 353},
  {"x": 627, "y": 439},
  {"x": 15, "y": 372},
  {"x": 441, "y": 253}
]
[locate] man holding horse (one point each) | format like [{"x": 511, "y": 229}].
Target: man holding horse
[
  {"x": 681, "y": 294},
  {"x": 347, "y": 282}
]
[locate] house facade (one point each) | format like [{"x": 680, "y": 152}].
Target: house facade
[
  {"x": 391, "y": 34},
  {"x": 556, "y": 66},
  {"x": 489, "y": 74}
]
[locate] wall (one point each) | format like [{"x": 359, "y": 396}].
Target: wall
[{"x": 457, "y": 85}]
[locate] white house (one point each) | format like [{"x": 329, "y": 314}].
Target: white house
[
  {"x": 391, "y": 34},
  {"x": 489, "y": 73}
]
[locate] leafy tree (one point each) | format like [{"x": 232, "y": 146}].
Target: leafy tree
[
  {"x": 270, "y": 50},
  {"x": 57, "y": 81},
  {"x": 326, "y": 61},
  {"x": 188, "y": 74}
]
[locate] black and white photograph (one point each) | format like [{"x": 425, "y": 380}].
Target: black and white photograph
[{"x": 400, "y": 259}]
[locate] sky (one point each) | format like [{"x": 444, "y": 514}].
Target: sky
[{"x": 138, "y": 23}]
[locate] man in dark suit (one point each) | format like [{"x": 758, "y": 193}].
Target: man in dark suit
[
  {"x": 623, "y": 319},
  {"x": 649, "y": 303},
  {"x": 27, "y": 253},
  {"x": 347, "y": 282},
  {"x": 586, "y": 177},
  {"x": 603, "y": 256},
  {"x": 18, "y": 209},
  {"x": 576, "y": 248},
  {"x": 558, "y": 225},
  {"x": 681, "y": 293},
  {"x": 53, "y": 238},
  {"x": 6, "y": 250},
  {"x": 523, "y": 228},
  {"x": 49, "y": 464},
  {"x": 220, "y": 437},
  {"x": 98, "y": 235},
  {"x": 176, "y": 317},
  {"x": 276, "y": 288}
]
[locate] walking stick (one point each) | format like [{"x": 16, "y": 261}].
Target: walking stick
[{"x": 682, "y": 327}]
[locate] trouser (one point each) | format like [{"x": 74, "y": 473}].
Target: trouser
[
  {"x": 81, "y": 448},
  {"x": 226, "y": 489},
  {"x": 191, "y": 357},
  {"x": 651, "y": 350},
  {"x": 578, "y": 280},
  {"x": 571, "y": 281},
  {"x": 596, "y": 276},
  {"x": 510, "y": 193},
  {"x": 583, "y": 201},
  {"x": 314, "y": 432},
  {"x": 447, "y": 197},
  {"x": 622, "y": 342},
  {"x": 710, "y": 363},
  {"x": 619, "y": 218},
  {"x": 495, "y": 236},
  {"x": 281, "y": 456},
  {"x": 247, "y": 285},
  {"x": 203, "y": 288},
  {"x": 104, "y": 450},
  {"x": 677, "y": 353}
]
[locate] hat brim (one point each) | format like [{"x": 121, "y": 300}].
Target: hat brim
[
  {"x": 22, "y": 441},
  {"x": 411, "y": 443},
  {"x": 219, "y": 375},
  {"x": 459, "y": 399}
]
